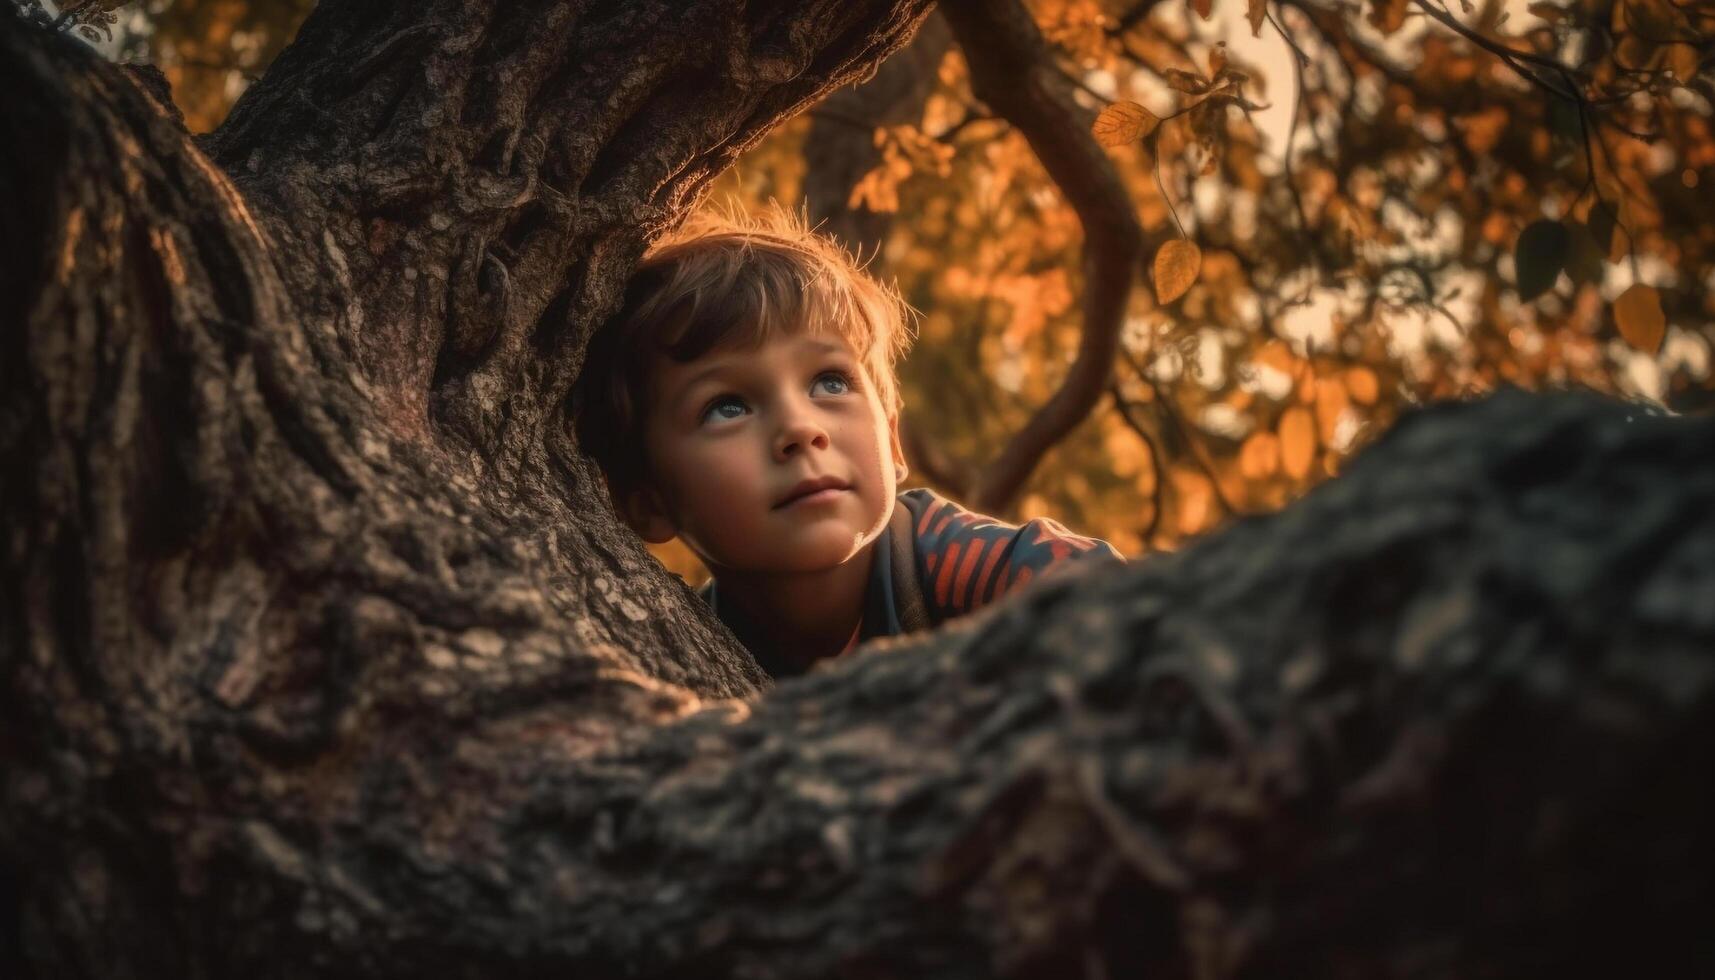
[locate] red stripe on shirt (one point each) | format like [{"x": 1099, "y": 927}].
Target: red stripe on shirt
[
  {"x": 944, "y": 580},
  {"x": 983, "y": 595},
  {"x": 965, "y": 570}
]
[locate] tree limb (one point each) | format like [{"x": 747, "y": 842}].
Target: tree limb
[{"x": 1012, "y": 70}]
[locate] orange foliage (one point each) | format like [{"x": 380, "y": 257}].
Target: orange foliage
[{"x": 1379, "y": 270}]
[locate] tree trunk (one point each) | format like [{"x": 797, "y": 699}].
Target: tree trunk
[{"x": 323, "y": 655}]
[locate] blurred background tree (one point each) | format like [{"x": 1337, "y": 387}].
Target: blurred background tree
[{"x": 1389, "y": 202}]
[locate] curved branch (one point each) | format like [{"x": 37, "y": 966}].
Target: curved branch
[{"x": 1013, "y": 71}]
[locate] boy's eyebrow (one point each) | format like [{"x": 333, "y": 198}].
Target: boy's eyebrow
[
  {"x": 684, "y": 388},
  {"x": 728, "y": 362}
]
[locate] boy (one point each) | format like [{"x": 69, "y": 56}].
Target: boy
[{"x": 744, "y": 400}]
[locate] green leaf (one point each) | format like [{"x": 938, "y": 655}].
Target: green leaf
[{"x": 1539, "y": 257}]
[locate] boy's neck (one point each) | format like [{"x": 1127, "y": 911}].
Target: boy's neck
[{"x": 803, "y": 616}]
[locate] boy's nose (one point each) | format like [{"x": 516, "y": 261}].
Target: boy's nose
[{"x": 798, "y": 434}]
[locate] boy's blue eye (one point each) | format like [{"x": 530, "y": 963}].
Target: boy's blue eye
[
  {"x": 723, "y": 409},
  {"x": 832, "y": 382}
]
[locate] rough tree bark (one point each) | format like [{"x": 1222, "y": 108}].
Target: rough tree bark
[{"x": 321, "y": 653}]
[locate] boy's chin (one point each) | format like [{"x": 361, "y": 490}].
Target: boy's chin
[{"x": 817, "y": 552}]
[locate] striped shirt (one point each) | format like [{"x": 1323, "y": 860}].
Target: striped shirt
[{"x": 962, "y": 560}]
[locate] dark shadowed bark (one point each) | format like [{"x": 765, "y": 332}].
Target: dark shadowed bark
[{"x": 322, "y": 655}]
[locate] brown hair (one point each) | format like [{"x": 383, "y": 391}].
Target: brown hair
[{"x": 722, "y": 282}]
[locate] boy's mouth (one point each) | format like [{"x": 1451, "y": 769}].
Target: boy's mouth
[{"x": 815, "y": 487}]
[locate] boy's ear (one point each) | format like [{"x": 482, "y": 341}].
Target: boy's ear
[
  {"x": 643, "y": 510},
  {"x": 900, "y": 469}
]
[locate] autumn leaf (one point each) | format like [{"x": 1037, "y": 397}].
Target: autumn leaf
[
  {"x": 1387, "y": 15},
  {"x": 1176, "y": 265},
  {"x": 1635, "y": 53},
  {"x": 1181, "y": 80},
  {"x": 1331, "y": 401},
  {"x": 1585, "y": 259},
  {"x": 1259, "y": 457},
  {"x": 1638, "y": 314},
  {"x": 1305, "y": 389},
  {"x": 1603, "y": 222},
  {"x": 1195, "y": 496},
  {"x": 1297, "y": 441},
  {"x": 1275, "y": 354},
  {"x": 1123, "y": 122},
  {"x": 1682, "y": 61},
  {"x": 1539, "y": 257},
  {"x": 1205, "y": 8},
  {"x": 1257, "y": 11},
  {"x": 1362, "y": 385}
]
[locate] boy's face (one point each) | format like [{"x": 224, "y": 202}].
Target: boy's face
[{"x": 773, "y": 459}]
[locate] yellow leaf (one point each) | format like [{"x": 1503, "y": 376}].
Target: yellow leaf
[
  {"x": 1306, "y": 385},
  {"x": 1640, "y": 319},
  {"x": 1361, "y": 383},
  {"x": 1257, "y": 12},
  {"x": 1259, "y": 457},
  {"x": 1176, "y": 265},
  {"x": 1331, "y": 402},
  {"x": 1195, "y": 495},
  {"x": 1297, "y": 442},
  {"x": 1122, "y": 123}
]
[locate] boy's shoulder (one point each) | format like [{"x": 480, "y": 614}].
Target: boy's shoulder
[{"x": 966, "y": 559}]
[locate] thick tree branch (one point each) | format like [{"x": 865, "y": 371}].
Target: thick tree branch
[
  {"x": 286, "y": 692},
  {"x": 484, "y": 174}
]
